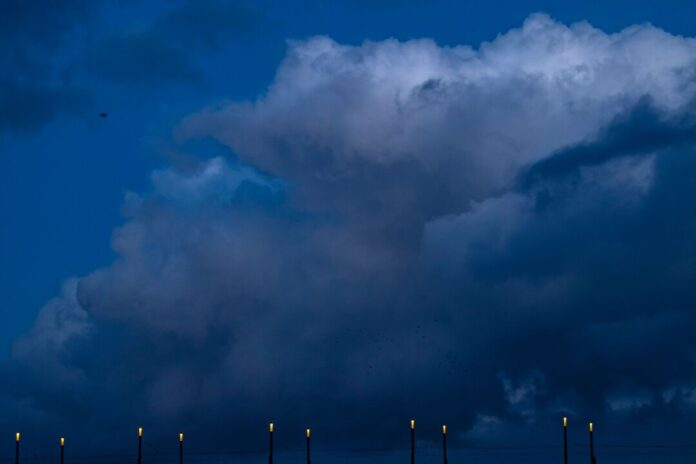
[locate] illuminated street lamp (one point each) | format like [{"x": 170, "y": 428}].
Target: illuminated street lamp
[
  {"x": 413, "y": 441},
  {"x": 565, "y": 440},
  {"x": 592, "y": 456},
  {"x": 140, "y": 445}
]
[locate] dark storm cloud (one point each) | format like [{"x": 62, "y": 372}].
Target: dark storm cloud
[
  {"x": 33, "y": 85},
  {"x": 642, "y": 130},
  {"x": 374, "y": 257},
  {"x": 602, "y": 263},
  {"x": 168, "y": 50}
]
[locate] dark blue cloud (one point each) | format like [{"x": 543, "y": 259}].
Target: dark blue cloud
[
  {"x": 29, "y": 105},
  {"x": 34, "y": 87},
  {"x": 642, "y": 130},
  {"x": 169, "y": 49},
  {"x": 597, "y": 250}
]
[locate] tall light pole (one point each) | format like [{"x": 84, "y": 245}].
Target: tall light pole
[
  {"x": 140, "y": 445},
  {"x": 413, "y": 441},
  {"x": 270, "y": 443},
  {"x": 444, "y": 443},
  {"x": 62, "y": 450},
  {"x": 18, "y": 437},
  {"x": 181, "y": 448},
  {"x": 592, "y": 457},
  {"x": 565, "y": 440},
  {"x": 309, "y": 435}
]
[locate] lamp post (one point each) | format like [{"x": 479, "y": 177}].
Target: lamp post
[
  {"x": 18, "y": 437},
  {"x": 181, "y": 448},
  {"x": 62, "y": 450},
  {"x": 270, "y": 443},
  {"x": 309, "y": 435},
  {"x": 413, "y": 441},
  {"x": 565, "y": 440},
  {"x": 140, "y": 445},
  {"x": 592, "y": 456},
  {"x": 444, "y": 444}
]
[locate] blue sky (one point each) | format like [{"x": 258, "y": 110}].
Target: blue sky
[{"x": 234, "y": 194}]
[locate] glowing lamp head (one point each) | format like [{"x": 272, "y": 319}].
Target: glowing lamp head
[
  {"x": 591, "y": 427},
  {"x": 181, "y": 438},
  {"x": 413, "y": 424},
  {"x": 309, "y": 433},
  {"x": 444, "y": 429},
  {"x": 18, "y": 436},
  {"x": 270, "y": 427},
  {"x": 140, "y": 431},
  {"x": 62, "y": 441},
  {"x": 565, "y": 422}
]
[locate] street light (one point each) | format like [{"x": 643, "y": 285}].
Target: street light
[
  {"x": 565, "y": 440},
  {"x": 140, "y": 445},
  {"x": 592, "y": 456},
  {"x": 413, "y": 441},
  {"x": 18, "y": 438},
  {"x": 270, "y": 443}
]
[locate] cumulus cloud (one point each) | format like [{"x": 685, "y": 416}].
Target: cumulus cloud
[
  {"x": 388, "y": 126},
  {"x": 489, "y": 237}
]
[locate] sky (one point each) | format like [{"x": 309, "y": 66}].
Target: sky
[{"x": 347, "y": 214}]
